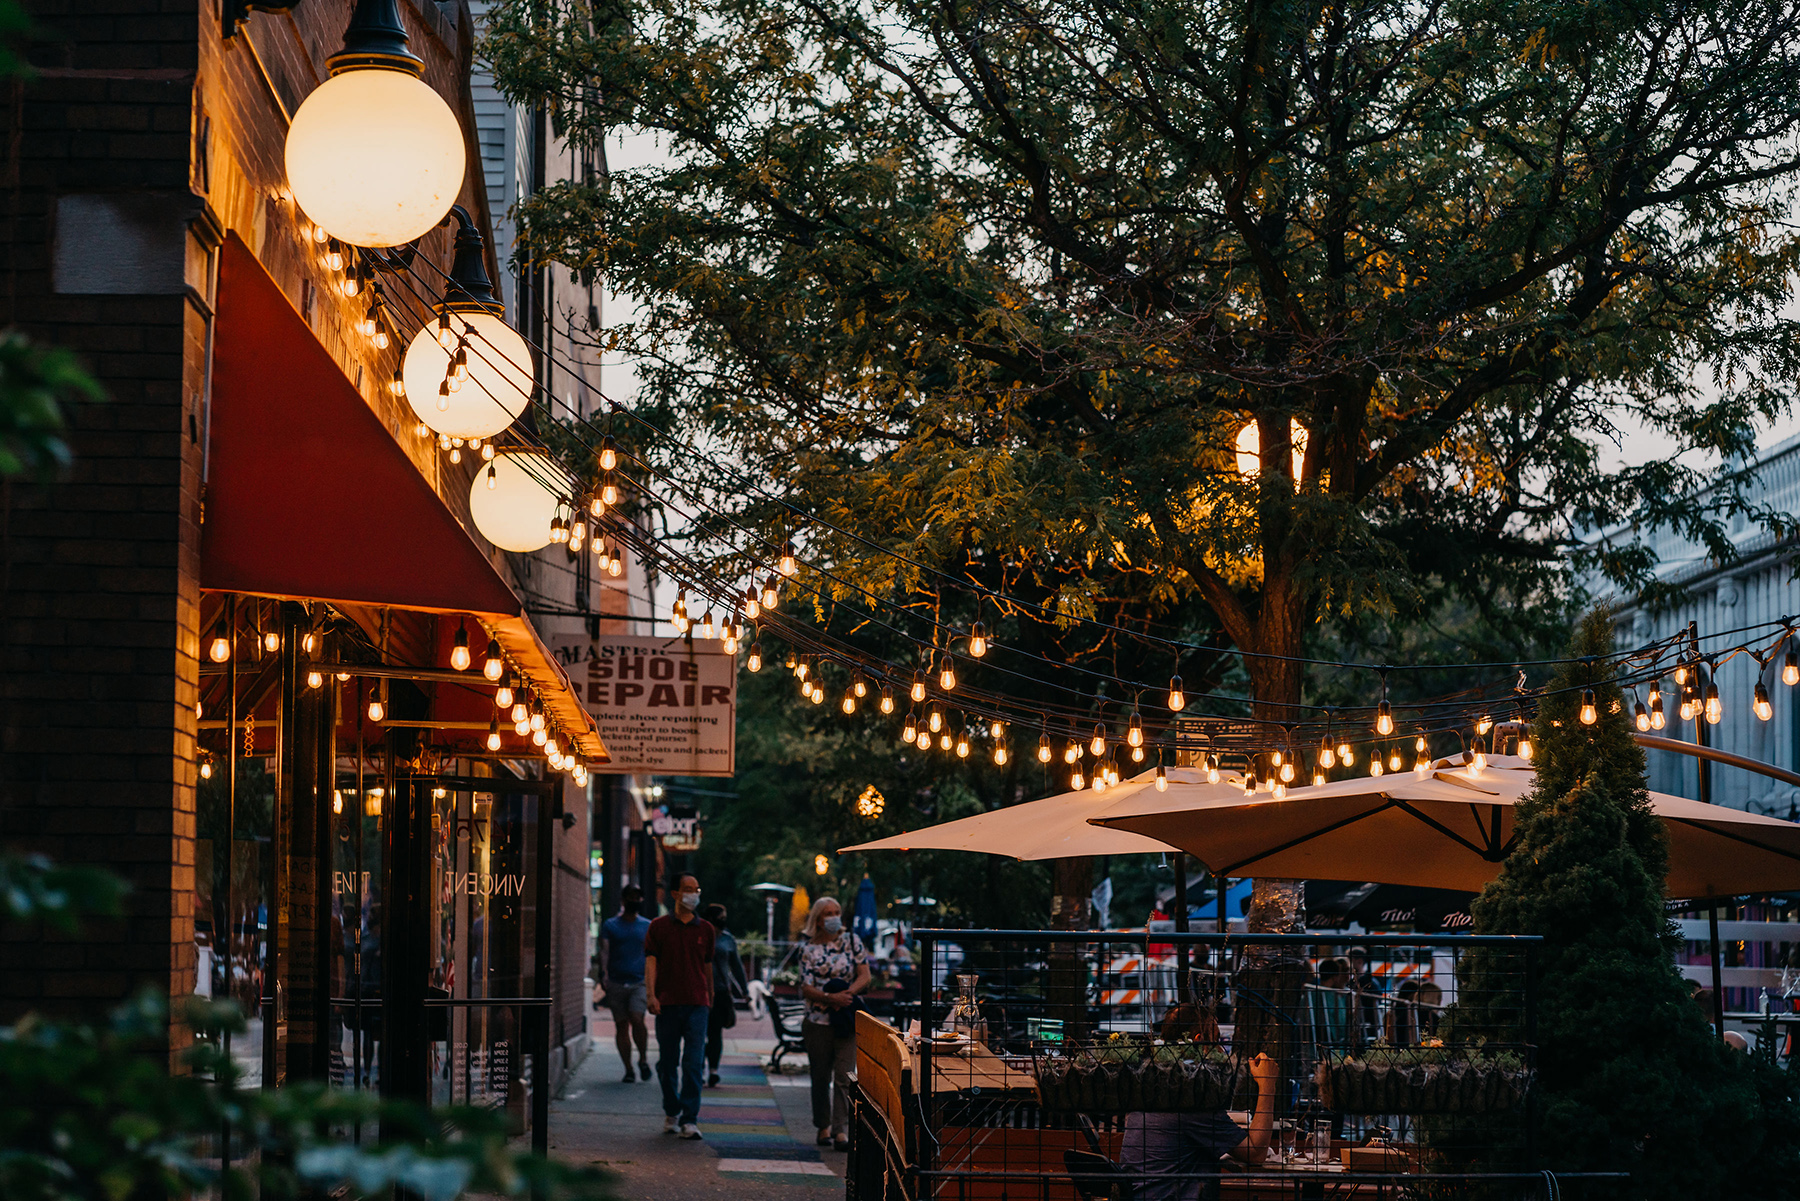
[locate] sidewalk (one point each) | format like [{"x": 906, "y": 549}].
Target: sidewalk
[{"x": 758, "y": 1132}]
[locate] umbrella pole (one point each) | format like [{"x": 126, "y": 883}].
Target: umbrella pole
[
  {"x": 1181, "y": 926},
  {"x": 1704, "y": 779}
]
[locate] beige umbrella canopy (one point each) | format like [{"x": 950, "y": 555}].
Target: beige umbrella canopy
[
  {"x": 1055, "y": 827},
  {"x": 1449, "y": 829}
]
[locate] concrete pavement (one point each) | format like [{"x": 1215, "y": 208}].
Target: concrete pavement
[{"x": 758, "y": 1142}]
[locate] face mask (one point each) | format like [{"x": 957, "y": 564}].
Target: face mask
[
  {"x": 833, "y": 925},
  {"x": 690, "y": 900}
]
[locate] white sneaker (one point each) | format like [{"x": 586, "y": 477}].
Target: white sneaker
[
  {"x": 690, "y": 1131},
  {"x": 669, "y": 1124}
]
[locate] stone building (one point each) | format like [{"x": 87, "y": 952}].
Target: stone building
[{"x": 228, "y": 639}]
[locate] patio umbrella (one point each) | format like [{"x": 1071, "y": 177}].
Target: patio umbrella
[
  {"x": 864, "y": 922},
  {"x": 1449, "y": 829},
  {"x": 1055, "y": 827}
]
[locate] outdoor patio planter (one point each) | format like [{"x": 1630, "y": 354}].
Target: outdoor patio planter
[
  {"x": 1126, "y": 1075},
  {"x": 1424, "y": 1080}
]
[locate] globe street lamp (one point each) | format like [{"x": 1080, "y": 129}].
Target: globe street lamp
[
  {"x": 374, "y": 156},
  {"x": 468, "y": 374}
]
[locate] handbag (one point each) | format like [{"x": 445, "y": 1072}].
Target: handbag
[{"x": 843, "y": 1021}]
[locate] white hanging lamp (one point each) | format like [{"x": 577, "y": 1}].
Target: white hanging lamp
[
  {"x": 515, "y": 498},
  {"x": 374, "y": 155},
  {"x": 467, "y": 373}
]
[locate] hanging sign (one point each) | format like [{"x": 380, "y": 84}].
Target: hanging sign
[
  {"x": 677, "y": 828},
  {"x": 665, "y": 706}
]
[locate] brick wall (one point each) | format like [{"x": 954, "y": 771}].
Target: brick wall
[{"x": 98, "y": 665}]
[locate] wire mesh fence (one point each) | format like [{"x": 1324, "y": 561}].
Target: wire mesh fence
[{"x": 1161, "y": 1067}]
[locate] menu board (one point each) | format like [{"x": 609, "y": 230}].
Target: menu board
[{"x": 665, "y": 706}]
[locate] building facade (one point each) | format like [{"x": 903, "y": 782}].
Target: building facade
[
  {"x": 230, "y": 637},
  {"x": 1758, "y": 589}
]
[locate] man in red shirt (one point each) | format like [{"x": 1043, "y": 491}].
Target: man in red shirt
[{"x": 678, "y": 976}]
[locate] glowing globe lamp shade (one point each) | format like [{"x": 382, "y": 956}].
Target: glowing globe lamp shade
[
  {"x": 498, "y": 384},
  {"x": 375, "y": 157},
  {"x": 515, "y": 513}
]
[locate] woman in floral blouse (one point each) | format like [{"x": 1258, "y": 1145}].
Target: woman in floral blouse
[{"x": 834, "y": 969}]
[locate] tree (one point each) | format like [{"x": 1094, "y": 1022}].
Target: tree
[
  {"x": 1006, "y": 290},
  {"x": 1630, "y": 1074}
]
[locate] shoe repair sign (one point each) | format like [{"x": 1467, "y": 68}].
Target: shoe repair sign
[{"x": 665, "y": 706}]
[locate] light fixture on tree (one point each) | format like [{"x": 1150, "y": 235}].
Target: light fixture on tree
[
  {"x": 515, "y": 509},
  {"x": 468, "y": 373},
  {"x": 374, "y": 155}
]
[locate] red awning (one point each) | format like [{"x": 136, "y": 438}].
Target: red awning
[{"x": 308, "y": 497}]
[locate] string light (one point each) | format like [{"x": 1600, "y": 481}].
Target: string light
[
  {"x": 1394, "y": 760},
  {"x": 493, "y": 734},
  {"x": 1656, "y": 705},
  {"x": 1641, "y": 715},
  {"x": 1478, "y": 761},
  {"x": 1375, "y": 768},
  {"x": 771, "y": 593},
  {"x": 1044, "y": 751},
  {"x": 1764, "y": 709},
  {"x": 1346, "y": 754},
  {"x": 315, "y": 679},
  {"x": 918, "y": 688},
  {"x": 788, "y": 564},
  {"x": 731, "y": 638},
  {"x": 1384, "y": 719},
  {"x": 1790, "y": 670},
  {"x": 1525, "y": 747},
  {"x": 934, "y": 719},
  {"x": 271, "y": 642},
  {"x": 1177, "y": 700},
  {"x": 910, "y": 731},
  {"x": 1137, "y": 754},
  {"x": 537, "y": 713},
  {"x": 1212, "y": 769},
  {"x": 755, "y": 661},
  {"x": 1327, "y": 756},
  {"x": 1714, "y": 710},
  {"x": 887, "y": 698},
  {"x": 1134, "y": 732},
  {"x": 752, "y": 606},
  {"x": 1162, "y": 778},
  {"x": 1072, "y": 752},
  {"x": 962, "y": 746},
  {"x": 1000, "y": 755},
  {"x": 493, "y": 667},
  {"x": 947, "y": 672},
  {"x": 609, "y": 453},
  {"x": 1589, "y": 714},
  {"x": 1484, "y": 725},
  {"x": 858, "y": 685},
  {"x": 1318, "y": 776},
  {"x": 377, "y": 710},
  {"x": 206, "y": 767},
  {"x": 849, "y": 703},
  {"x": 1098, "y": 745},
  {"x": 1076, "y": 781},
  {"x": 978, "y": 640}
]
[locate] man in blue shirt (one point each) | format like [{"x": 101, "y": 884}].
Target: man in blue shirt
[{"x": 622, "y": 979}]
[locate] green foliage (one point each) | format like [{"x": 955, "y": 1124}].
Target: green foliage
[
  {"x": 994, "y": 287},
  {"x": 93, "y": 1113},
  {"x": 1631, "y": 1077},
  {"x": 35, "y": 382}
]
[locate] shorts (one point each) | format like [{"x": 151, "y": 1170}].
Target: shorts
[{"x": 625, "y": 999}]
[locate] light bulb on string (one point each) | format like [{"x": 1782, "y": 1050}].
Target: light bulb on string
[
  {"x": 1346, "y": 754},
  {"x": 887, "y": 698},
  {"x": 1714, "y": 710},
  {"x": 1375, "y": 767},
  {"x": 1099, "y": 781},
  {"x": 1318, "y": 776},
  {"x": 910, "y": 731},
  {"x": 1485, "y": 724},
  {"x": 537, "y": 714},
  {"x": 1790, "y": 669},
  {"x": 1327, "y": 756},
  {"x": 1478, "y": 761},
  {"x": 1162, "y": 777},
  {"x": 1287, "y": 771},
  {"x": 1212, "y": 769},
  {"x": 1525, "y": 748},
  {"x": 315, "y": 679},
  {"x": 858, "y": 685},
  {"x": 1279, "y": 790},
  {"x": 978, "y": 642},
  {"x": 539, "y": 737},
  {"x": 1764, "y": 709},
  {"x": 731, "y": 639},
  {"x": 271, "y": 642},
  {"x": 220, "y": 650},
  {"x": 609, "y": 490},
  {"x": 1589, "y": 714},
  {"x": 707, "y": 629},
  {"x": 924, "y": 740},
  {"x": 377, "y": 708},
  {"x": 1384, "y": 719},
  {"x": 609, "y": 453},
  {"x": 1072, "y": 752},
  {"x": 459, "y": 650},
  {"x": 755, "y": 660},
  {"x": 1177, "y": 699},
  {"x": 493, "y": 666},
  {"x": 1076, "y": 781},
  {"x": 962, "y": 746},
  {"x": 752, "y": 606},
  {"x": 493, "y": 734},
  {"x": 1134, "y": 730},
  {"x": 918, "y": 688},
  {"x": 1394, "y": 760},
  {"x": 520, "y": 711},
  {"x": 802, "y": 667},
  {"x": 946, "y": 672},
  {"x": 1000, "y": 754},
  {"x": 206, "y": 767},
  {"x": 934, "y": 718},
  {"x": 503, "y": 695},
  {"x": 789, "y": 563},
  {"x": 771, "y": 593},
  {"x": 945, "y": 741},
  {"x": 1137, "y": 754},
  {"x": 849, "y": 703},
  {"x": 1641, "y": 716},
  {"x": 1098, "y": 745},
  {"x": 818, "y": 693}
]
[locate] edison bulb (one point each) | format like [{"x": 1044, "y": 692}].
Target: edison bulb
[
  {"x": 498, "y": 386},
  {"x": 515, "y": 509},
  {"x": 375, "y": 157},
  {"x": 220, "y": 649},
  {"x": 1162, "y": 779}
]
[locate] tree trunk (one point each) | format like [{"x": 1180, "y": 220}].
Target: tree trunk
[{"x": 1270, "y": 987}]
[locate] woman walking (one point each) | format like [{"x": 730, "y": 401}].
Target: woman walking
[
  {"x": 729, "y": 984},
  {"x": 834, "y": 971}
]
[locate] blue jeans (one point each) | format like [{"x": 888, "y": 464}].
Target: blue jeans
[{"x": 681, "y": 1046}]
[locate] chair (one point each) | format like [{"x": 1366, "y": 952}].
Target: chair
[{"x": 788, "y": 1016}]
